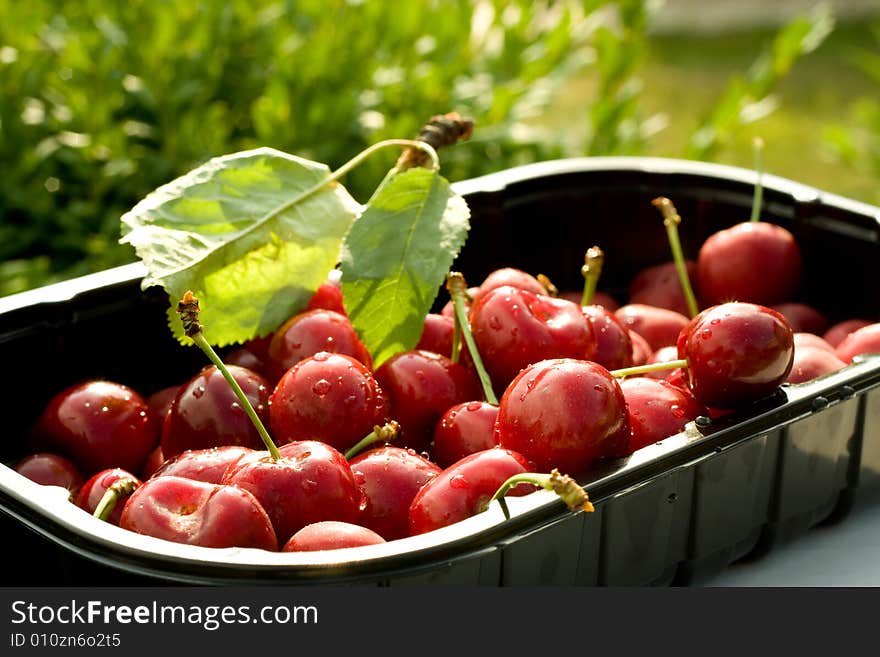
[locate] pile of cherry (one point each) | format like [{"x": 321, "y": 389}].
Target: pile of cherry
[{"x": 538, "y": 380}]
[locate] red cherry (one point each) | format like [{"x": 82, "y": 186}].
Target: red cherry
[
  {"x": 329, "y": 397},
  {"x": 659, "y": 326},
  {"x": 642, "y": 351},
  {"x": 802, "y": 339},
  {"x": 420, "y": 386},
  {"x": 513, "y": 328},
  {"x": 198, "y": 513},
  {"x": 508, "y": 276},
  {"x": 154, "y": 461},
  {"x": 737, "y": 353},
  {"x": 328, "y": 296},
  {"x": 331, "y": 535},
  {"x": 839, "y": 331},
  {"x": 657, "y": 409},
  {"x": 464, "y": 429},
  {"x": 160, "y": 401},
  {"x": 207, "y": 413},
  {"x": 802, "y": 317},
  {"x": 98, "y": 425},
  {"x": 614, "y": 346},
  {"x": 660, "y": 286},
  {"x": 564, "y": 413},
  {"x": 311, "y": 481},
  {"x": 754, "y": 261},
  {"x": 208, "y": 464},
  {"x": 244, "y": 357},
  {"x": 390, "y": 477},
  {"x": 662, "y": 355},
  {"x": 308, "y": 333},
  {"x": 437, "y": 334},
  {"x": 51, "y": 470},
  {"x": 861, "y": 341},
  {"x": 91, "y": 493},
  {"x": 811, "y": 363},
  {"x": 465, "y": 488},
  {"x": 600, "y": 298}
]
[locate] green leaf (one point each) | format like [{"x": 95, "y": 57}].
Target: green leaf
[
  {"x": 252, "y": 234},
  {"x": 396, "y": 257}
]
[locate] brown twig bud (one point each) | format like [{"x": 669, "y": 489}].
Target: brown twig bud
[{"x": 441, "y": 130}]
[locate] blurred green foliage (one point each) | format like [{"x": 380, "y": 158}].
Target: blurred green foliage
[
  {"x": 104, "y": 102},
  {"x": 856, "y": 143}
]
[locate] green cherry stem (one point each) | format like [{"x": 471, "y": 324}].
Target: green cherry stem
[
  {"x": 380, "y": 434},
  {"x": 574, "y": 496},
  {"x": 671, "y": 220},
  {"x": 117, "y": 489},
  {"x": 650, "y": 367},
  {"x": 188, "y": 309},
  {"x": 594, "y": 258},
  {"x": 758, "y": 198},
  {"x": 457, "y": 288}
]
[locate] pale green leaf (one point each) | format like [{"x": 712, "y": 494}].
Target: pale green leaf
[
  {"x": 396, "y": 257},
  {"x": 252, "y": 234}
]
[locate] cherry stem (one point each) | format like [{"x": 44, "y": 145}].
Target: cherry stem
[
  {"x": 757, "y": 200},
  {"x": 188, "y": 309},
  {"x": 384, "y": 434},
  {"x": 671, "y": 220},
  {"x": 550, "y": 289},
  {"x": 574, "y": 496},
  {"x": 457, "y": 287},
  {"x": 594, "y": 258},
  {"x": 650, "y": 367},
  {"x": 109, "y": 499}
]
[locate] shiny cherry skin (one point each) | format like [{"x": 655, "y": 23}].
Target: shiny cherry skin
[
  {"x": 508, "y": 276},
  {"x": 811, "y": 363},
  {"x": 837, "y": 332},
  {"x": 420, "y": 386},
  {"x": 328, "y": 296},
  {"x": 437, "y": 334},
  {"x": 198, "y": 513},
  {"x": 513, "y": 328},
  {"x": 863, "y": 340},
  {"x": 308, "y": 333},
  {"x": 331, "y": 535},
  {"x": 154, "y": 461},
  {"x": 329, "y": 397},
  {"x": 98, "y": 424},
  {"x": 802, "y": 317},
  {"x": 737, "y": 353},
  {"x": 160, "y": 401},
  {"x": 244, "y": 357},
  {"x": 89, "y": 496},
  {"x": 659, "y": 326},
  {"x": 464, "y": 488},
  {"x": 657, "y": 409},
  {"x": 803, "y": 339},
  {"x": 564, "y": 413},
  {"x": 51, "y": 470},
  {"x": 464, "y": 429},
  {"x": 600, "y": 298},
  {"x": 642, "y": 351},
  {"x": 311, "y": 481},
  {"x": 208, "y": 464},
  {"x": 207, "y": 413},
  {"x": 662, "y": 355},
  {"x": 390, "y": 477},
  {"x": 754, "y": 262},
  {"x": 660, "y": 285},
  {"x": 614, "y": 347}
]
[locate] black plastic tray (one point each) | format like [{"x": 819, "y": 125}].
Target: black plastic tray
[{"x": 669, "y": 514}]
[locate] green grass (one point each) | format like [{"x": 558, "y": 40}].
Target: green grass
[{"x": 684, "y": 74}]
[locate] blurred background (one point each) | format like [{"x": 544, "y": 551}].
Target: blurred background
[{"x": 100, "y": 103}]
